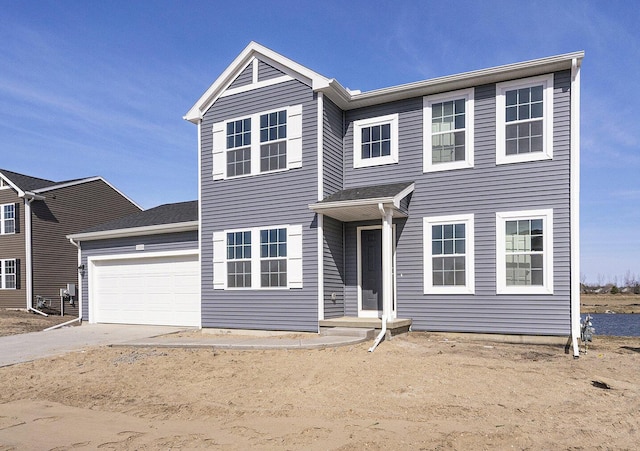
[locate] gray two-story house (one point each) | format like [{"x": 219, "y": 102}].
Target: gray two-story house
[{"x": 451, "y": 203}]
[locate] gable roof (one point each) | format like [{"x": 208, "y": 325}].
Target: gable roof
[
  {"x": 166, "y": 218},
  {"x": 36, "y": 186},
  {"x": 348, "y": 100}
]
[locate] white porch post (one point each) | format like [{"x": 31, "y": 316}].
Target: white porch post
[{"x": 387, "y": 262}]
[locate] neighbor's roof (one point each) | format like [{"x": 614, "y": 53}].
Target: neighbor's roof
[
  {"x": 36, "y": 186},
  {"x": 167, "y": 218},
  {"x": 25, "y": 182},
  {"x": 348, "y": 99}
]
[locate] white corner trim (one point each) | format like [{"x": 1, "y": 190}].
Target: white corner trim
[{"x": 575, "y": 203}]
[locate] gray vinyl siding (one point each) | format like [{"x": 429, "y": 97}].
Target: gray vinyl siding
[
  {"x": 333, "y": 262},
  {"x": 65, "y": 211},
  {"x": 121, "y": 246},
  {"x": 334, "y": 269},
  {"x": 245, "y": 78},
  {"x": 261, "y": 200},
  {"x": 12, "y": 246},
  {"x": 266, "y": 71},
  {"x": 482, "y": 190}
]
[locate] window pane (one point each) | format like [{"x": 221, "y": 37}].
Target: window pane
[
  {"x": 536, "y": 94},
  {"x": 511, "y": 113},
  {"x": 386, "y": 131},
  {"x": 511, "y": 97},
  {"x": 436, "y": 247},
  {"x": 448, "y": 231},
  {"x": 459, "y": 106}
]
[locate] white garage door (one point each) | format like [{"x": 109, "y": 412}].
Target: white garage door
[{"x": 146, "y": 290}]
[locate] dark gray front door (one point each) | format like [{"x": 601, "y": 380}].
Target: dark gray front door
[{"x": 371, "y": 268}]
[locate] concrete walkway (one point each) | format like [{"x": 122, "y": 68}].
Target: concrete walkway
[{"x": 36, "y": 345}]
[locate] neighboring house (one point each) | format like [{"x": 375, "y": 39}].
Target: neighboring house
[
  {"x": 36, "y": 259},
  {"x": 142, "y": 268},
  {"x": 451, "y": 202}
]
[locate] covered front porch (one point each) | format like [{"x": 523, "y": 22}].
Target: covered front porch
[{"x": 366, "y": 217}]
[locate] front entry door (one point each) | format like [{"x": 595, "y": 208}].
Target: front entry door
[{"x": 371, "y": 271}]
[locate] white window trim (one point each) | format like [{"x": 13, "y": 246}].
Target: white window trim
[
  {"x": 2, "y": 220},
  {"x": 547, "y": 120},
  {"x": 468, "y": 95},
  {"x": 294, "y": 258},
  {"x": 294, "y": 143},
  {"x": 358, "y": 161},
  {"x": 547, "y": 245},
  {"x": 3, "y": 263},
  {"x": 469, "y": 286}
]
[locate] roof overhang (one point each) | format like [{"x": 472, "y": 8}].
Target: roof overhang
[
  {"x": 135, "y": 231},
  {"x": 360, "y": 204},
  {"x": 347, "y": 100}
]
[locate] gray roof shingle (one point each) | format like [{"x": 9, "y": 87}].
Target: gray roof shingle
[
  {"x": 162, "y": 214},
  {"x": 367, "y": 192},
  {"x": 26, "y": 182}
]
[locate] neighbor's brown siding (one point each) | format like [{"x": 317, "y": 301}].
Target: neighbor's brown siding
[
  {"x": 12, "y": 246},
  {"x": 66, "y": 211}
]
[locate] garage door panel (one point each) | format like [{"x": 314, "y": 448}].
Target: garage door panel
[{"x": 152, "y": 290}]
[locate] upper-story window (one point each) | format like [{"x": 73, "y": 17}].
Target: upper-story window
[
  {"x": 273, "y": 141},
  {"x": 239, "y": 147},
  {"x": 3, "y": 184},
  {"x": 260, "y": 143},
  {"x": 524, "y": 252},
  {"x": 7, "y": 218},
  {"x": 449, "y": 254},
  {"x": 448, "y": 133},
  {"x": 524, "y": 120},
  {"x": 375, "y": 141}
]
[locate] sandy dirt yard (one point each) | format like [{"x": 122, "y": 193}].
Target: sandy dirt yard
[
  {"x": 606, "y": 303},
  {"x": 20, "y": 322},
  {"x": 417, "y": 391}
]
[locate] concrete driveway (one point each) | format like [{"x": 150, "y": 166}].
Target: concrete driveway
[{"x": 36, "y": 345}]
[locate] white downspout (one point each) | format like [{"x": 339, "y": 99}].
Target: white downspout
[
  {"x": 79, "y": 291},
  {"x": 28, "y": 255},
  {"x": 575, "y": 206},
  {"x": 387, "y": 277}
]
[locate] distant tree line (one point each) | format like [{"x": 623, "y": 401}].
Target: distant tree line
[{"x": 628, "y": 284}]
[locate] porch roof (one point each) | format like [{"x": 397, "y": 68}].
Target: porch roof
[{"x": 362, "y": 203}]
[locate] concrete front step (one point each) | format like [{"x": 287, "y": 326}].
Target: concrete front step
[{"x": 347, "y": 332}]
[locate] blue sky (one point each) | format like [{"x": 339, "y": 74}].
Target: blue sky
[{"x": 100, "y": 88}]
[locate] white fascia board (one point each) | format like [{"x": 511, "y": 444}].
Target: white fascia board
[
  {"x": 135, "y": 231},
  {"x": 347, "y": 101},
  {"x": 253, "y": 50},
  {"x": 402, "y": 194},
  {"x": 87, "y": 180}
]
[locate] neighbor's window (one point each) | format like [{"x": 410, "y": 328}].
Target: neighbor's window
[
  {"x": 8, "y": 223},
  {"x": 273, "y": 258},
  {"x": 525, "y": 252},
  {"x": 8, "y": 274},
  {"x": 239, "y": 259},
  {"x": 448, "y": 133},
  {"x": 524, "y": 119},
  {"x": 239, "y": 147},
  {"x": 449, "y": 243},
  {"x": 375, "y": 141},
  {"x": 273, "y": 141}
]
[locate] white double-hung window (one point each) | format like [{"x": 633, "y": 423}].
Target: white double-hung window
[
  {"x": 524, "y": 120},
  {"x": 7, "y": 218},
  {"x": 259, "y": 143},
  {"x": 375, "y": 141},
  {"x": 448, "y": 130},
  {"x": 8, "y": 274},
  {"x": 258, "y": 258},
  {"x": 449, "y": 254},
  {"x": 524, "y": 252}
]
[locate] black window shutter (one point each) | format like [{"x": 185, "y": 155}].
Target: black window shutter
[
  {"x": 17, "y": 273},
  {"x": 17, "y": 218}
]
